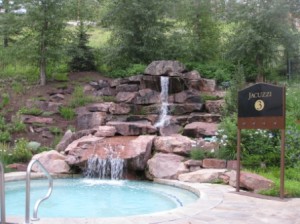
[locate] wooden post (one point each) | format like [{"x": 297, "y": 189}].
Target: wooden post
[
  {"x": 282, "y": 164},
  {"x": 238, "y": 157}
]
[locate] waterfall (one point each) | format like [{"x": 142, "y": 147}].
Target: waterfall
[
  {"x": 164, "y": 94},
  {"x": 110, "y": 168}
]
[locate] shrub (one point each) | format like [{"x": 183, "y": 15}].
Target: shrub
[
  {"x": 5, "y": 136},
  {"x": 199, "y": 154},
  {"x": 292, "y": 146},
  {"x": 31, "y": 111},
  {"x": 4, "y": 100},
  {"x": 5, "y": 153},
  {"x": 21, "y": 153},
  {"x": 67, "y": 113}
]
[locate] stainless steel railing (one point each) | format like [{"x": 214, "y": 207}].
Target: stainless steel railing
[
  {"x": 38, "y": 202},
  {"x": 2, "y": 194}
]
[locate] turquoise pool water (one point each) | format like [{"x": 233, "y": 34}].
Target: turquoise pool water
[{"x": 96, "y": 198}]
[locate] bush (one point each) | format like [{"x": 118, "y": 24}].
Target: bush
[
  {"x": 259, "y": 147},
  {"x": 292, "y": 146},
  {"x": 220, "y": 71},
  {"x": 200, "y": 154},
  {"x": 4, "y": 100},
  {"x": 21, "y": 153},
  {"x": 5, "y": 136},
  {"x": 67, "y": 113},
  {"x": 31, "y": 111}
]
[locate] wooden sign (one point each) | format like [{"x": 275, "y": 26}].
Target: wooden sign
[{"x": 261, "y": 106}]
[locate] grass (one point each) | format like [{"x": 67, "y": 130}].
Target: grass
[
  {"x": 98, "y": 37},
  {"x": 292, "y": 181}
]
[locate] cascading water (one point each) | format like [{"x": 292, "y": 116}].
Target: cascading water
[
  {"x": 164, "y": 94},
  {"x": 110, "y": 168}
]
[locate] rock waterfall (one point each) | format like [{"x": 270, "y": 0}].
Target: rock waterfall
[{"x": 163, "y": 119}]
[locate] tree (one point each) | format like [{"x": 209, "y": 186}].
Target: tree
[
  {"x": 138, "y": 30},
  {"x": 10, "y": 23},
  {"x": 263, "y": 33},
  {"x": 82, "y": 55},
  {"x": 44, "y": 36},
  {"x": 200, "y": 29}
]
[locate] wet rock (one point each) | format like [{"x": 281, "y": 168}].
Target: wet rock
[
  {"x": 166, "y": 166},
  {"x": 133, "y": 128},
  {"x": 170, "y": 68}
]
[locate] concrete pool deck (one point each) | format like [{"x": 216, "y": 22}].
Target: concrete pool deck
[{"x": 218, "y": 204}]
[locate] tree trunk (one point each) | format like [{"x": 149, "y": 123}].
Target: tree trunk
[
  {"x": 260, "y": 76},
  {"x": 43, "y": 53},
  {"x": 6, "y": 11}
]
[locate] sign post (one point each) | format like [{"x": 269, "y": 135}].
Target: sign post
[{"x": 261, "y": 106}]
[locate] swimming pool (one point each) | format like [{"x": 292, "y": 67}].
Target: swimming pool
[{"x": 78, "y": 198}]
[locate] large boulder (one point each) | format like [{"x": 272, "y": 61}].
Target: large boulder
[
  {"x": 177, "y": 144},
  {"x": 88, "y": 120},
  {"x": 208, "y": 85},
  {"x": 202, "y": 176},
  {"x": 147, "y": 96},
  {"x": 214, "y": 106},
  {"x": 188, "y": 96},
  {"x": 127, "y": 88},
  {"x": 166, "y": 166},
  {"x": 105, "y": 131},
  {"x": 126, "y": 97},
  {"x": 133, "y": 128},
  {"x": 139, "y": 152},
  {"x": 204, "y": 117},
  {"x": 53, "y": 161},
  {"x": 99, "y": 107},
  {"x": 119, "y": 109},
  {"x": 214, "y": 163},
  {"x": 200, "y": 129},
  {"x": 67, "y": 139},
  {"x": 30, "y": 119},
  {"x": 250, "y": 181},
  {"x": 170, "y": 68}
]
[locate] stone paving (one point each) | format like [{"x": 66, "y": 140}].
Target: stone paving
[{"x": 218, "y": 204}]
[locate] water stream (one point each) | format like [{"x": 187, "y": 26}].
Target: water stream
[
  {"x": 110, "y": 168},
  {"x": 163, "y": 119}
]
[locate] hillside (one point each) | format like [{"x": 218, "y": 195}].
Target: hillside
[{"x": 55, "y": 92}]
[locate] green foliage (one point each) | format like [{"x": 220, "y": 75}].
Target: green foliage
[
  {"x": 5, "y": 153},
  {"x": 291, "y": 183},
  {"x": 292, "y": 146},
  {"x": 67, "y": 113},
  {"x": 132, "y": 69},
  {"x": 200, "y": 154},
  {"x": 17, "y": 126},
  {"x": 45, "y": 33},
  {"x": 293, "y": 101},
  {"x": 4, "y": 100},
  {"x": 5, "y": 136},
  {"x": 263, "y": 35},
  {"x": 206, "y": 97},
  {"x": 18, "y": 87},
  {"x": 80, "y": 99},
  {"x": 21, "y": 153},
  {"x": 108, "y": 98},
  {"x": 219, "y": 70},
  {"x": 82, "y": 55},
  {"x": 30, "y": 111},
  {"x": 55, "y": 130},
  {"x": 231, "y": 98},
  {"x": 259, "y": 147},
  {"x": 61, "y": 77},
  {"x": 201, "y": 33},
  {"x": 137, "y": 28}
]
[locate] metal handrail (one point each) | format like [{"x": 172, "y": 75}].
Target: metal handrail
[
  {"x": 37, "y": 204},
  {"x": 2, "y": 194}
]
